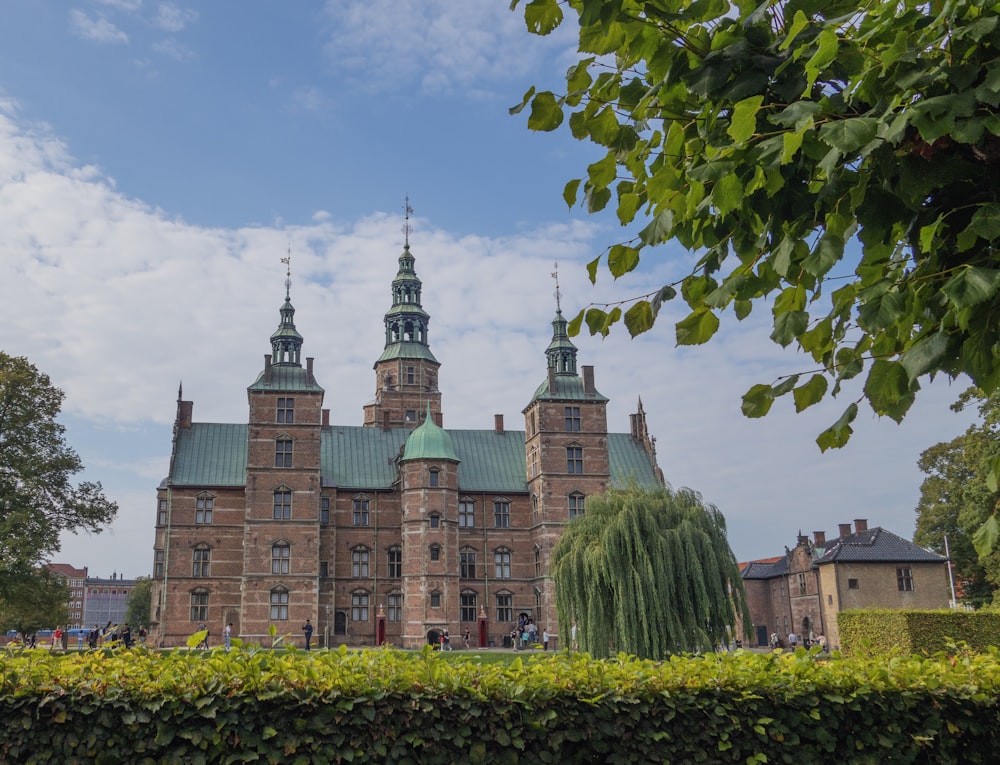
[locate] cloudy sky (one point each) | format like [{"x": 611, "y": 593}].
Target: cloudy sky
[{"x": 158, "y": 159}]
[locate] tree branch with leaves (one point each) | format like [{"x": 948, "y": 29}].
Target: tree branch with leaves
[{"x": 838, "y": 161}]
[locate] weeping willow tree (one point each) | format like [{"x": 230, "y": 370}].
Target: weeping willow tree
[{"x": 649, "y": 573}]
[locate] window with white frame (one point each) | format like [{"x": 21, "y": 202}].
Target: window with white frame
[
  {"x": 466, "y": 513},
  {"x": 394, "y": 607},
  {"x": 201, "y": 558},
  {"x": 574, "y": 459},
  {"x": 199, "y": 606},
  {"x": 501, "y": 513},
  {"x": 282, "y": 504},
  {"x": 468, "y": 611},
  {"x": 286, "y": 410},
  {"x": 575, "y": 501},
  {"x": 204, "y": 508},
  {"x": 283, "y": 452},
  {"x": 505, "y": 607},
  {"x": 360, "y": 516},
  {"x": 468, "y": 563}
]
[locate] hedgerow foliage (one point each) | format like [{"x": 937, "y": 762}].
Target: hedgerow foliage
[
  {"x": 878, "y": 631},
  {"x": 387, "y": 706}
]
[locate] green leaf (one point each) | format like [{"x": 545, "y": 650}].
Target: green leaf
[
  {"x": 744, "y": 121},
  {"x": 602, "y": 172},
  {"x": 727, "y": 194},
  {"x": 788, "y": 326},
  {"x": 838, "y": 434},
  {"x": 542, "y": 16},
  {"x": 757, "y": 401},
  {"x": 697, "y": 328},
  {"x": 546, "y": 112},
  {"x": 573, "y": 328},
  {"x": 622, "y": 259},
  {"x": 972, "y": 286},
  {"x": 850, "y": 134},
  {"x": 810, "y": 393},
  {"x": 639, "y": 318},
  {"x": 986, "y": 221},
  {"x": 658, "y": 230},
  {"x": 888, "y": 389},
  {"x": 570, "y": 192},
  {"x": 925, "y": 356},
  {"x": 986, "y": 537}
]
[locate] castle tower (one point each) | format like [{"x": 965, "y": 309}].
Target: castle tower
[
  {"x": 281, "y": 554},
  {"x": 429, "y": 496},
  {"x": 566, "y": 454},
  {"x": 406, "y": 374}
]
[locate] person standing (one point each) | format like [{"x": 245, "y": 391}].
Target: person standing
[
  {"x": 227, "y": 635},
  {"x": 467, "y": 639},
  {"x": 545, "y": 639},
  {"x": 307, "y": 630}
]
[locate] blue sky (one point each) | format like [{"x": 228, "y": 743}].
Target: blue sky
[{"x": 158, "y": 159}]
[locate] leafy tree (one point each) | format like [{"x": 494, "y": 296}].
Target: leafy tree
[
  {"x": 37, "y": 499},
  {"x": 35, "y": 601},
  {"x": 648, "y": 573},
  {"x": 138, "y": 606},
  {"x": 955, "y": 499},
  {"x": 838, "y": 159}
]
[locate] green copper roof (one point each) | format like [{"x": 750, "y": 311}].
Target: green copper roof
[
  {"x": 429, "y": 441},
  {"x": 407, "y": 351},
  {"x": 566, "y": 388},
  {"x": 285, "y": 377},
  {"x": 353, "y": 457},
  {"x": 211, "y": 454}
]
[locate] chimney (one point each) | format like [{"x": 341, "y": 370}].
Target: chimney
[
  {"x": 267, "y": 369},
  {"x": 845, "y": 529},
  {"x": 185, "y": 411},
  {"x": 498, "y": 424},
  {"x": 633, "y": 424},
  {"x": 819, "y": 538},
  {"x": 588, "y": 381},
  {"x": 326, "y": 418},
  {"x": 309, "y": 370},
  {"x": 860, "y": 524},
  {"x": 385, "y": 421},
  {"x": 552, "y": 379}
]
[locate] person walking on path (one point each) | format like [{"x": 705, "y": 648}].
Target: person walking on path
[
  {"x": 467, "y": 639},
  {"x": 307, "y": 630}
]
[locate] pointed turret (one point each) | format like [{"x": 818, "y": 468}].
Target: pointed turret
[{"x": 406, "y": 374}]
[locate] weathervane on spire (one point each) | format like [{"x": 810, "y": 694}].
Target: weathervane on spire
[
  {"x": 555, "y": 275},
  {"x": 407, "y": 212},
  {"x": 288, "y": 273}
]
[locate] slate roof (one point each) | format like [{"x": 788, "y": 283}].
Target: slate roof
[
  {"x": 215, "y": 454},
  {"x": 875, "y": 545}
]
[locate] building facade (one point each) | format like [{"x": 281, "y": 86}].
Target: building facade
[
  {"x": 395, "y": 530},
  {"x": 94, "y": 600},
  {"x": 803, "y": 590}
]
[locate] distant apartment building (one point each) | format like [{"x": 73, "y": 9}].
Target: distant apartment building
[{"x": 93, "y": 600}]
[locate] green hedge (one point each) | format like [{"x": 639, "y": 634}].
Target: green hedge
[
  {"x": 388, "y": 706},
  {"x": 879, "y": 631}
]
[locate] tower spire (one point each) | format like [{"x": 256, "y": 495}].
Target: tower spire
[
  {"x": 407, "y": 212},
  {"x": 555, "y": 275},
  {"x": 286, "y": 342}
]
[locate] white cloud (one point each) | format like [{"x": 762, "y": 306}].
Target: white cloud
[
  {"x": 175, "y": 50},
  {"x": 437, "y": 45},
  {"x": 172, "y": 18},
  {"x": 95, "y": 28},
  {"x": 118, "y": 303},
  {"x": 122, "y": 5}
]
